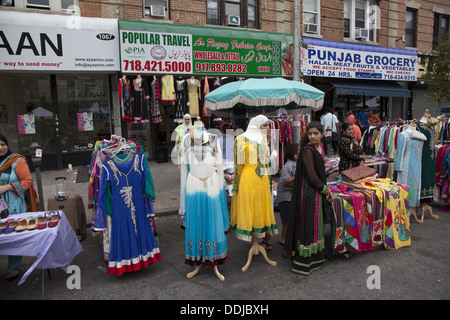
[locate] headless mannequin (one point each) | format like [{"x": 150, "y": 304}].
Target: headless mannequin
[
  {"x": 424, "y": 206},
  {"x": 255, "y": 250},
  {"x": 197, "y": 127}
]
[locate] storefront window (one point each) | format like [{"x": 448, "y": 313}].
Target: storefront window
[
  {"x": 83, "y": 111},
  {"x": 26, "y": 112}
]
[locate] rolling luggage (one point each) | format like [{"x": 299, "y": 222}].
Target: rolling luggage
[{"x": 72, "y": 205}]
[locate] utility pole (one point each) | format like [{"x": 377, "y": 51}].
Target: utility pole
[{"x": 297, "y": 48}]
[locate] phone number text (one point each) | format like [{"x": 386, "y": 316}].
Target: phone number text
[{"x": 157, "y": 66}]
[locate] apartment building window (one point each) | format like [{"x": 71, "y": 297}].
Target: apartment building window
[
  {"x": 41, "y": 4},
  {"x": 311, "y": 16},
  {"x": 212, "y": 12},
  {"x": 360, "y": 19},
  {"x": 239, "y": 13},
  {"x": 441, "y": 27},
  {"x": 67, "y": 5},
  {"x": 411, "y": 28}
]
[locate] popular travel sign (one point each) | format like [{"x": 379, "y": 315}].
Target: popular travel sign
[{"x": 159, "y": 52}]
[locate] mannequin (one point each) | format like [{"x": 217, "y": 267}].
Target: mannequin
[
  {"x": 426, "y": 126},
  {"x": 252, "y": 215},
  {"x": 203, "y": 200}
]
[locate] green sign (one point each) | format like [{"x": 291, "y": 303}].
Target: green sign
[{"x": 235, "y": 56}]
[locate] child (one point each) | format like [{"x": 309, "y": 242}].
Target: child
[{"x": 285, "y": 186}]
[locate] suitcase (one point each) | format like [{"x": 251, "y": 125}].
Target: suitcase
[{"x": 72, "y": 205}]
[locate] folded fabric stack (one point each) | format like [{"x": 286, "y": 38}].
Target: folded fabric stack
[{"x": 359, "y": 174}]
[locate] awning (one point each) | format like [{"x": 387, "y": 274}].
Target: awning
[{"x": 370, "y": 88}]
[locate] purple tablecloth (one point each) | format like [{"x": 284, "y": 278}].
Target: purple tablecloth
[{"x": 53, "y": 247}]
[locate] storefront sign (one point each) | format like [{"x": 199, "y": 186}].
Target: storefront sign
[
  {"x": 155, "y": 52},
  {"x": 370, "y": 63},
  {"x": 145, "y": 51},
  {"x": 41, "y": 42},
  {"x": 220, "y": 55}
]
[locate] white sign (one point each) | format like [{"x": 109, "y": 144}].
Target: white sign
[
  {"x": 155, "y": 52},
  {"x": 41, "y": 42},
  {"x": 323, "y": 61}
]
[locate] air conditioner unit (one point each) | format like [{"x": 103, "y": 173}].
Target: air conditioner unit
[
  {"x": 158, "y": 11},
  {"x": 361, "y": 33},
  {"x": 233, "y": 20},
  {"x": 311, "y": 28}
]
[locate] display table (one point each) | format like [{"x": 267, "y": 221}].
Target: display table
[{"x": 53, "y": 247}]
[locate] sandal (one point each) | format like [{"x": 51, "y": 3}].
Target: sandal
[
  {"x": 266, "y": 245},
  {"x": 13, "y": 274}
]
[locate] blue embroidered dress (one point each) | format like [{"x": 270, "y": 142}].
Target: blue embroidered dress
[
  {"x": 408, "y": 165},
  {"x": 132, "y": 241},
  {"x": 203, "y": 202}
]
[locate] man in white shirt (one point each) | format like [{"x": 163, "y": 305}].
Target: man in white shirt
[{"x": 330, "y": 124}]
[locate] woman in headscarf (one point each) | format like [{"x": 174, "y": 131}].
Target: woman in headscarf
[
  {"x": 251, "y": 205},
  {"x": 304, "y": 243},
  {"x": 181, "y": 131},
  {"x": 15, "y": 179},
  {"x": 356, "y": 130}
]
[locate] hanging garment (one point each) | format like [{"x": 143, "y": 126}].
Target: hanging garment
[
  {"x": 168, "y": 89},
  {"x": 125, "y": 96},
  {"x": 194, "y": 94},
  {"x": 428, "y": 163},
  {"x": 140, "y": 95},
  {"x": 408, "y": 165},
  {"x": 205, "y": 92},
  {"x": 203, "y": 201},
  {"x": 156, "y": 111},
  {"x": 132, "y": 242},
  {"x": 180, "y": 92}
]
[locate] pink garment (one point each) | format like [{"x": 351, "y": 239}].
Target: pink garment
[{"x": 356, "y": 129}]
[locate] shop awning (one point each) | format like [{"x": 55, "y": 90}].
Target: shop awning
[{"x": 370, "y": 88}]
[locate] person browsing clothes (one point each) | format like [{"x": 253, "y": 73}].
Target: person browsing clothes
[{"x": 350, "y": 151}]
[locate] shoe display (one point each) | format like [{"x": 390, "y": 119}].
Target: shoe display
[
  {"x": 3, "y": 227},
  {"x": 42, "y": 223},
  {"x": 54, "y": 220},
  {"x": 32, "y": 223},
  {"x": 23, "y": 223},
  {"x": 11, "y": 226}
]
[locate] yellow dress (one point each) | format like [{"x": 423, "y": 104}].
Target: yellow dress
[
  {"x": 251, "y": 204},
  {"x": 194, "y": 94}
]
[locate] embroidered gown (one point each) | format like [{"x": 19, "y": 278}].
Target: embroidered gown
[
  {"x": 203, "y": 202},
  {"x": 132, "y": 242},
  {"x": 251, "y": 204},
  {"x": 304, "y": 236}
]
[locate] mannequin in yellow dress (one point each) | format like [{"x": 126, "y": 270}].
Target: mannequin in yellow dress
[
  {"x": 252, "y": 215},
  {"x": 194, "y": 95}
]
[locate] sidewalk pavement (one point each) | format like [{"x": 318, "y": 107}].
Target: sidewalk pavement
[{"x": 420, "y": 271}]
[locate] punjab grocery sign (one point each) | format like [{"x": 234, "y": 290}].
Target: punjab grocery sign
[{"x": 324, "y": 61}]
